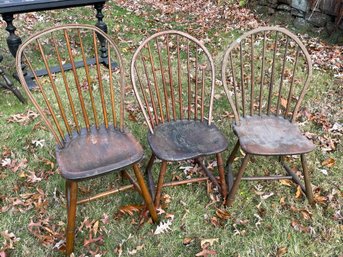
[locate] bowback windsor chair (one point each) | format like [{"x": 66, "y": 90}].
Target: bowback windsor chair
[
  {"x": 172, "y": 75},
  {"x": 83, "y": 109},
  {"x": 265, "y": 74}
]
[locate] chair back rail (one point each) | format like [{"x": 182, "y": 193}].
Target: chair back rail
[
  {"x": 78, "y": 91},
  {"x": 173, "y": 78},
  {"x": 266, "y": 71}
]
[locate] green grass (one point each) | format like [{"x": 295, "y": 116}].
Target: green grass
[{"x": 255, "y": 227}]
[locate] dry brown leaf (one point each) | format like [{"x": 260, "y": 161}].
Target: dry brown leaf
[
  {"x": 298, "y": 193},
  {"x": 299, "y": 227},
  {"x": 134, "y": 251},
  {"x": 282, "y": 201},
  {"x": 329, "y": 162},
  {"x": 281, "y": 251},
  {"x": 306, "y": 214},
  {"x": 224, "y": 215},
  {"x": 187, "y": 240},
  {"x": 320, "y": 199},
  {"x": 286, "y": 182},
  {"x": 130, "y": 209},
  {"x": 209, "y": 241},
  {"x": 95, "y": 227},
  {"x": 215, "y": 222},
  {"x": 283, "y": 102}
]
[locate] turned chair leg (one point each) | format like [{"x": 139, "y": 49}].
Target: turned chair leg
[
  {"x": 145, "y": 192},
  {"x": 149, "y": 177},
  {"x": 232, "y": 193},
  {"x": 229, "y": 175},
  {"x": 221, "y": 175},
  {"x": 71, "y": 190},
  {"x": 160, "y": 183},
  {"x": 307, "y": 180}
]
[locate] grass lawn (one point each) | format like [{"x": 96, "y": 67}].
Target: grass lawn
[{"x": 267, "y": 218}]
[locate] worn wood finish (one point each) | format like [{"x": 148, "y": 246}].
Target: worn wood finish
[
  {"x": 265, "y": 74},
  {"x": 172, "y": 75},
  {"x": 83, "y": 108},
  {"x": 71, "y": 188},
  {"x": 270, "y": 135}
]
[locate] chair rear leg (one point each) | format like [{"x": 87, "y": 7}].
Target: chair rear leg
[
  {"x": 149, "y": 176},
  {"x": 221, "y": 175},
  {"x": 145, "y": 192},
  {"x": 71, "y": 190},
  {"x": 229, "y": 176},
  {"x": 232, "y": 193},
  {"x": 160, "y": 183},
  {"x": 307, "y": 180}
]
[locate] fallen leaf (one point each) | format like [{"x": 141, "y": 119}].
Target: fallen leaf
[
  {"x": 134, "y": 251},
  {"x": 187, "y": 240},
  {"x": 130, "y": 209},
  {"x": 281, "y": 251},
  {"x": 320, "y": 199},
  {"x": 266, "y": 196},
  {"x": 298, "y": 193},
  {"x": 283, "y": 102},
  {"x": 282, "y": 201},
  {"x": 299, "y": 227},
  {"x": 215, "y": 222},
  {"x": 286, "y": 182},
  {"x": 329, "y": 162},
  {"x": 224, "y": 215},
  {"x": 210, "y": 241},
  {"x": 95, "y": 227},
  {"x": 306, "y": 214},
  {"x": 163, "y": 227}
]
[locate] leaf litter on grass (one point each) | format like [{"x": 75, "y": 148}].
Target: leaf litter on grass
[{"x": 199, "y": 18}]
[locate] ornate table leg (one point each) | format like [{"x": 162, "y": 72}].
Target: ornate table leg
[
  {"x": 13, "y": 41},
  {"x": 101, "y": 25}
]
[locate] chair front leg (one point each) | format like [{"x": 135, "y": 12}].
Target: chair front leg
[
  {"x": 145, "y": 192},
  {"x": 307, "y": 180},
  {"x": 149, "y": 177},
  {"x": 71, "y": 190},
  {"x": 229, "y": 175},
  {"x": 232, "y": 193},
  {"x": 221, "y": 175},
  {"x": 160, "y": 183}
]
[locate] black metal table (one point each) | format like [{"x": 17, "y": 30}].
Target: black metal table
[{"x": 10, "y": 7}]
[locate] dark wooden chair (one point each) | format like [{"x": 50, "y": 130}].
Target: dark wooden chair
[
  {"x": 265, "y": 74},
  {"x": 83, "y": 108},
  {"x": 173, "y": 79}
]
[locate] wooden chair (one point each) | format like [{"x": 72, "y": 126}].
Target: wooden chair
[
  {"x": 265, "y": 74},
  {"x": 172, "y": 75},
  {"x": 83, "y": 108}
]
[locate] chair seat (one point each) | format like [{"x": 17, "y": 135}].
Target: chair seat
[
  {"x": 186, "y": 139},
  {"x": 271, "y": 135},
  {"x": 97, "y": 152}
]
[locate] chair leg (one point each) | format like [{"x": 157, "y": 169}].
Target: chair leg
[
  {"x": 221, "y": 174},
  {"x": 232, "y": 193},
  {"x": 149, "y": 176},
  {"x": 160, "y": 183},
  {"x": 145, "y": 192},
  {"x": 229, "y": 176},
  {"x": 307, "y": 180},
  {"x": 71, "y": 189}
]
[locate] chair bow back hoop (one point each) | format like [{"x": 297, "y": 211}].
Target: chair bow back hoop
[
  {"x": 81, "y": 101},
  {"x": 172, "y": 75},
  {"x": 265, "y": 74}
]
